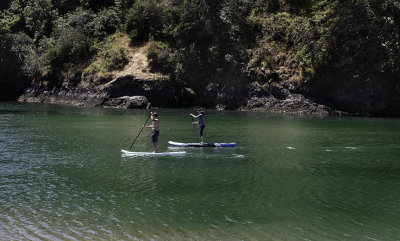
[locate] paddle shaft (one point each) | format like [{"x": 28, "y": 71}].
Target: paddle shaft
[
  {"x": 194, "y": 128},
  {"x": 140, "y": 131}
]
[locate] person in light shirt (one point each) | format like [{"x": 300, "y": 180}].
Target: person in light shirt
[{"x": 155, "y": 130}]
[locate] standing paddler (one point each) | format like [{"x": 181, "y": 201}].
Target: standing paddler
[
  {"x": 201, "y": 122},
  {"x": 155, "y": 130}
]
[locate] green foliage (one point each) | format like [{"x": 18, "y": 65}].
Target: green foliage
[
  {"x": 22, "y": 45},
  {"x": 108, "y": 59},
  {"x": 115, "y": 58},
  {"x": 143, "y": 20},
  {"x": 65, "y": 6},
  {"x": 122, "y": 7},
  {"x": 160, "y": 57},
  {"x": 39, "y": 16},
  {"x": 73, "y": 38},
  {"x": 364, "y": 32},
  {"x": 7, "y": 21},
  {"x": 240, "y": 22},
  {"x": 317, "y": 50},
  {"x": 11, "y": 19},
  {"x": 105, "y": 23},
  {"x": 110, "y": 56},
  {"x": 384, "y": 22},
  {"x": 210, "y": 52},
  {"x": 299, "y": 6},
  {"x": 171, "y": 17},
  {"x": 210, "y": 46}
]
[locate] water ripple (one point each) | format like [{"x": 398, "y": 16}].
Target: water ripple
[{"x": 62, "y": 178}]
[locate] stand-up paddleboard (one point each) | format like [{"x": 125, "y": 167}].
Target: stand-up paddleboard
[
  {"x": 173, "y": 143},
  {"x": 130, "y": 153}
]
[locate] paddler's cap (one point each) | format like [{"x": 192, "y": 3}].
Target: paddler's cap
[
  {"x": 200, "y": 110},
  {"x": 154, "y": 114}
]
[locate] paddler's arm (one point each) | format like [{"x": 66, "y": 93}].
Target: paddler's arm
[{"x": 152, "y": 118}]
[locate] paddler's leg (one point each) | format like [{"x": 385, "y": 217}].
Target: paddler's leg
[
  {"x": 155, "y": 147},
  {"x": 154, "y": 139},
  {"x": 201, "y": 133}
]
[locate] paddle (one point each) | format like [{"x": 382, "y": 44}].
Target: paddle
[
  {"x": 194, "y": 128},
  {"x": 147, "y": 107}
]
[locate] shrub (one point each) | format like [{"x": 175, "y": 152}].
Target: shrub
[
  {"x": 160, "y": 57},
  {"x": 115, "y": 58},
  {"x": 39, "y": 16},
  {"x": 7, "y": 21},
  {"x": 73, "y": 35},
  {"x": 110, "y": 56},
  {"x": 105, "y": 23},
  {"x": 143, "y": 20}
]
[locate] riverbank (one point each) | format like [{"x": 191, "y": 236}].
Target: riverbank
[
  {"x": 131, "y": 93},
  {"x": 136, "y": 85},
  {"x": 319, "y": 58}
]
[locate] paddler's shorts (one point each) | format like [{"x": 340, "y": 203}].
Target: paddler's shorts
[
  {"x": 202, "y": 129},
  {"x": 154, "y": 136}
]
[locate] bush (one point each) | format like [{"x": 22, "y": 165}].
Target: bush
[
  {"x": 7, "y": 21},
  {"x": 143, "y": 20},
  {"x": 39, "y": 16},
  {"x": 115, "y": 58},
  {"x": 299, "y": 6},
  {"x": 160, "y": 57},
  {"x": 110, "y": 56},
  {"x": 105, "y": 23},
  {"x": 73, "y": 38}
]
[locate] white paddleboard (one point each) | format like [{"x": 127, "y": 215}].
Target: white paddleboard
[{"x": 131, "y": 153}]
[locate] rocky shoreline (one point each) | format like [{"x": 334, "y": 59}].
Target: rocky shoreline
[
  {"x": 132, "y": 93},
  {"x": 292, "y": 104},
  {"x": 122, "y": 92}
]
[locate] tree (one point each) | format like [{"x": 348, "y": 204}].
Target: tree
[
  {"x": 143, "y": 20},
  {"x": 73, "y": 38},
  {"x": 39, "y": 16}
]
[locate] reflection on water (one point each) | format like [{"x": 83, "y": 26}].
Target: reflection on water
[{"x": 62, "y": 177}]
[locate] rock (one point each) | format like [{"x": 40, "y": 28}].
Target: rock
[
  {"x": 292, "y": 104},
  {"x": 278, "y": 91},
  {"x": 78, "y": 96},
  {"x": 128, "y": 102}
]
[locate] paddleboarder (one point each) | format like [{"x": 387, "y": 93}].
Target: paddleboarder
[
  {"x": 155, "y": 130},
  {"x": 201, "y": 122}
]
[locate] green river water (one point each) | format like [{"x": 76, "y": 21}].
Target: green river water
[{"x": 62, "y": 176}]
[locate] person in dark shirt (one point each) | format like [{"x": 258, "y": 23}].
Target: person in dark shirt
[{"x": 201, "y": 122}]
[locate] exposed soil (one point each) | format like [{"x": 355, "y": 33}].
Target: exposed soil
[{"x": 138, "y": 65}]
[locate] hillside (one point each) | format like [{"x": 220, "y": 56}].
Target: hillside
[{"x": 312, "y": 57}]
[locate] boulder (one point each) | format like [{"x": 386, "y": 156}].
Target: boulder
[{"x": 128, "y": 102}]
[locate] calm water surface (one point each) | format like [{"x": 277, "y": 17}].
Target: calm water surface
[{"x": 62, "y": 177}]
